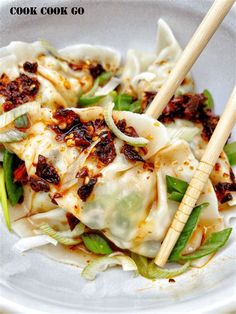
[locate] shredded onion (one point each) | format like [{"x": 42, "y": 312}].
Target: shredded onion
[
  {"x": 1, "y": 156},
  {"x": 184, "y": 133},
  {"x": 102, "y": 263},
  {"x": 8, "y": 117},
  {"x": 134, "y": 141},
  {"x": 12, "y": 136},
  {"x": 60, "y": 236},
  {"x": 157, "y": 272},
  {"x": 146, "y": 76},
  {"x": 53, "y": 51},
  {"x": 29, "y": 243},
  {"x": 69, "y": 179},
  {"x": 109, "y": 87}
]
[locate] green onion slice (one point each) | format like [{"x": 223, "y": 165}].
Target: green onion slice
[
  {"x": 100, "y": 264},
  {"x": 209, "y": 102},
  {"x": 230, "y": 150},
  {"x": 12, "y": 136},
  {"x": 186, "y": 233},
  {"x": 150, "y": 270},
  {"x": 96, "y": 244},
  {"x": 3, "y": 199},
  {"x": 62, "y": 237},
  {"x": 9, "y": 116},
  {"x": 213, "y": 243},
  {"x": 134, "y": 141},
  {"x": 14, "y": 191},
  {"x": 22, "y": 122}
]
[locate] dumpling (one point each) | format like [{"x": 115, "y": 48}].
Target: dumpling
[
  {"x": 108, "y": 189},
  {"x": 55, "y": 81},
  {"x": 146, "y": 72},
  {"x": 107, "y": 57},
  {"x": 222, "y": 172}
]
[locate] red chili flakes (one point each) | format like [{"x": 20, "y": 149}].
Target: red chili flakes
[
  {"x": 209, "y": 125},
  {"x": 105, "y": 149},
  {"x": 72, "y": 220},
  {"x": 54, "y": 197},
  {"x": 46, "y": 171},
  {"x": 72, "y": 130},
  {"x": 232, "y": 176},
  {"x": 30, "y": 67},
  {"x": 83, "y": 173},
  {"x": 38, "y": 184},
  {"x": 128, "y": 130},
  {"x": 57, "y": 195},
  {"x": 20, "y": 174},
  {"x": 147, "y": 99},
  {"x": 4, "y": 81},
  {"x": 85, "y": 190},
  {"x": 171, "y": 280},
  {"x": 96, "y": 69},
  {"x": 99, "y": 124},
  {"x": 77, "y": 66},
  {"x": 130, "y": 153},
  {"x": 191, "y": 107},
  {"x": 223, "y": 191},
  {"x": 19, "y": 91},
  {"x": 81, "y": 136},
  {"x": 148, "y": 166},
  {"x": 66, "y": 119}
]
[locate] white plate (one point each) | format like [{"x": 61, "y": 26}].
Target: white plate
[{"x": 34, "y": 284}]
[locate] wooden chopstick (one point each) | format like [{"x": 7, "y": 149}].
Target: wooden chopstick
[
  {"x": 197, "y": 183},
  {"x": 190, "y": 54}
]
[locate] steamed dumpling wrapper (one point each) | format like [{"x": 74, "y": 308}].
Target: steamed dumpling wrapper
[
  {"x": 222, "y": 172},
  {"x": 129, "y": 202},
  {"x": 60, "y": 81},
  {"x": 64, "y": 76},
  {"x": 147, "y": 72}
]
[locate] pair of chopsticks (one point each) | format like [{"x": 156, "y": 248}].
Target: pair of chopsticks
[{"x": 192, "y": 51}]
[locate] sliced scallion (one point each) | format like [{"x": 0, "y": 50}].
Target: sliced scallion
[
  {"x": 124, "y": 102},
  {"x": 3, "y": 199},
  {"x": 22, "y": 122},
  {"x": 209, "y": 102},
  {"x": 100, "y": 264},
  {"x": 12, "y": 136},
  {"x": 14, "y": 191},
  {"x": 96, "y": 244},
  {"x": 9, "y": 116},
  {"x": 186, "y": 233},
  {"x": 59, "y": 236},
  {"x": 230, "y": 150},
  {"x": 213, "y": 243},
  {"x": 134, "y": 141},
  {"x": 90, "y": 98}
]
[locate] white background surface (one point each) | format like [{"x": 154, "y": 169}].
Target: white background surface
[{"x": 34, "y": 284}]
